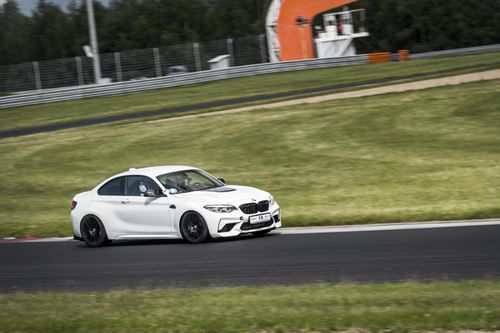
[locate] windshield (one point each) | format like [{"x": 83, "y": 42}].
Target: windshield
[{"x": 189, "y": 180}]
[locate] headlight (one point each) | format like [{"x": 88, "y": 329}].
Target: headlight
[
  {"x": 220, "y": 208},
  {"x": 271, "y": 200}
]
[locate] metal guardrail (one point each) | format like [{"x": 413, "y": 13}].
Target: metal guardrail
[
  {"x": 131, "y": 64},
  {"x": 466, "y": 50},
  {"x": 85, "y": 91},
  {"x": 78, "y": 92}
]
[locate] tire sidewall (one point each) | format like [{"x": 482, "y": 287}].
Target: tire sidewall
[
  {"x": 103, "y": 238},
  {"x": 205, "y": 235}
]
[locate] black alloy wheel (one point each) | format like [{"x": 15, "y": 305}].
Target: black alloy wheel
[
  {"x": 93, "y": 231},
  {"x": 193, "y": 228}
]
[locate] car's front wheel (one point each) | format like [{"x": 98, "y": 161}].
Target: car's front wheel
[
  {"x": 93, "y": 231},
  {"x": 194, "y": 228}
]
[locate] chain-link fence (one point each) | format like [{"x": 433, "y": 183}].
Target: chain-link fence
[{"x": 131, "y": 65}]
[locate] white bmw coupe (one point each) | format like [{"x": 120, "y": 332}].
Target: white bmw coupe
[{"x": 170, "y": 202}]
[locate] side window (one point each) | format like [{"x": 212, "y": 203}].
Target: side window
[
  {"x": 113, "y": 187},
  {"x": 138, "y": 185}
]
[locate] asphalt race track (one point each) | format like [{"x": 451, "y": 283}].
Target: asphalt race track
[{"x": 379, "y": 256}]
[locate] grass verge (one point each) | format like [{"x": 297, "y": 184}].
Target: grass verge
[
  {"x": 401, "y": 307},
  {"x": 421, "y": 155},
  {"x": 53, "y": 113}
]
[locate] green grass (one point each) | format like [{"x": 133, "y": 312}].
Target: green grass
[
  {"x": 402, "y": 307},
  {"x": 422, "y": 155},
  {"x": 164, "y": 98}
]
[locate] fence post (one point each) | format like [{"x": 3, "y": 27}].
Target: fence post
[
  {"x": 79, "y": 71},
  {"x": 118, "y": 67},
  {"x": 36, "y": 71},
  {"x": 262, "y": 46},
  {"x": 156, "y": 53},
  {"x": 230, "y": 51},
  {"x": 196, "y": 54}
]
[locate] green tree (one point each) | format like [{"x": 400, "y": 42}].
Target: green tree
[
  {"x": 51, "y": 32},
  {"x": 417, "y": 25},
  {"x": 15, "y": 34},
  {"x": 427, "y": 25}
]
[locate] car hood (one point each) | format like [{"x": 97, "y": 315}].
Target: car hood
[{"x": 229, "y": 194}]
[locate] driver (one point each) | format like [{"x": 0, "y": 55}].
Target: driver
[{"x": 181, "y": 181}]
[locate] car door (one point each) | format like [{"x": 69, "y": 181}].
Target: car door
[
  {"x": 142, "y": 215},
  {"x": 108, "y": 203}
]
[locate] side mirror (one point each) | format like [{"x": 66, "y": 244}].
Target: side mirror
[
  {"x": 172, "y": 190},
  {"x": 222, "y": 180}
]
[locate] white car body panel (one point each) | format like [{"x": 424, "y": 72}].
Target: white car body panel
[{"x": 138, "y": 217}]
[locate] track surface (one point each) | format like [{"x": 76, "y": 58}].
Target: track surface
[{"x": 374, "y": 256}]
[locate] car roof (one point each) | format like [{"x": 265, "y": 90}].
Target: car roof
[{"x": 156, "y": 170}]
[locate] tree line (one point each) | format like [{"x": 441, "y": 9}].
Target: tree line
[
  {"x": 51, "y": 32},
  {"x": 430, "y": 25}
]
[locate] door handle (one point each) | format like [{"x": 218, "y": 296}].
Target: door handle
[{"x": 126, "y": 201}]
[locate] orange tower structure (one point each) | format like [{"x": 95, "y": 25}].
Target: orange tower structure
[{"x": 289, "y": 31}]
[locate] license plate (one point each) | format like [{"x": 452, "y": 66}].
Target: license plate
[{"x": 260, "y": 218}]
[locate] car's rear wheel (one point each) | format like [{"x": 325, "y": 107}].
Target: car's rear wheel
[
  {"x": 261, "y": 232},
  {"x": 194, "y": 228},
  {"x": 93, "y": 231}
]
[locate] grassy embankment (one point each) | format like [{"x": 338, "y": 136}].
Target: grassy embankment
[
  {"x": 421, "y": 155},
  {"x": 259, "y": 85},
  {"x": 402, "y": 307}
]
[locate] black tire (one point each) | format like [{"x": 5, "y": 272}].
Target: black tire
[
  {"x": 262, "y": 232},
  {"x": 93, "y": 231},
  {"x": 194, "y": 228}
]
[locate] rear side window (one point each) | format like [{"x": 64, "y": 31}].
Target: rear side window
[{"x": 113, "y": 187}]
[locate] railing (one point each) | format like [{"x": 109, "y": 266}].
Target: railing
[
  {"x": 77, "y": 92},
  {"x": 116, "y": 88},
  {"x": 131, "y": 64},
  {"x": 466, "y": 50}
]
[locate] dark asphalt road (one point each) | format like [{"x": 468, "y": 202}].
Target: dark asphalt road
[{"x": 423, "y": 255}]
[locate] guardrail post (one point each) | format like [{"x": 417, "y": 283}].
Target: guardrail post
[
  {"x": 79, "y": 71},
  {"x": 196, "y": 54},
  {"x": 156, "y": 53},
  {"x": 118, "y": 67},
  {"x": 230, "y": 51},
  {"x": 262, "y": 47},
  {"x": 36, "y": 71}
]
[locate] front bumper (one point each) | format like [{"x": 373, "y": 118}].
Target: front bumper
[{"x": 237, "y": 224}]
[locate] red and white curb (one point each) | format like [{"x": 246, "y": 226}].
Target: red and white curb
[{"x": 319, "y": 230}]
